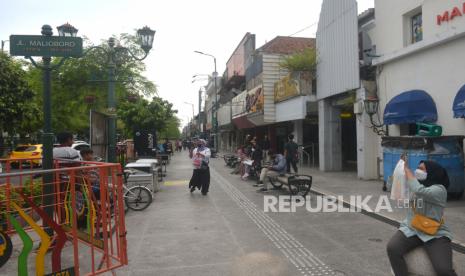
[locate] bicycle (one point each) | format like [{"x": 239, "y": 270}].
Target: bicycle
[{"x": 136, "y": 198}]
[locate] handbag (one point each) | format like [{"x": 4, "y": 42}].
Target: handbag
[{"x": 425, "y": 224}]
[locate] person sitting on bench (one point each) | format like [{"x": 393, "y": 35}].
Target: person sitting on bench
[{"x": 277, "y": 168}]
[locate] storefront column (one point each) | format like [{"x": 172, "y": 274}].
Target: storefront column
[
  {"x": 367, "y": 144},
  {"x": 298, "y": 132},
  {"x": 329, "y": 136}
]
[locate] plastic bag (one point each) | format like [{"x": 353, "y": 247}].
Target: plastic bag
[
  {"x": 399, "y": 189},
  {"x": 197, "y": 162}
]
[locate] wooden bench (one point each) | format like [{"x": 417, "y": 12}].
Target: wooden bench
[{"x": 297, "y": 184}]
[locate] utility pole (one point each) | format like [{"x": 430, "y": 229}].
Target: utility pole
[
  {"x": 214, "y": 106},
  {"x": 3, "y": 44}
]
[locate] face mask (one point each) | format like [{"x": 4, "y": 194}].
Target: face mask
[{"x": 420, "y": 174}]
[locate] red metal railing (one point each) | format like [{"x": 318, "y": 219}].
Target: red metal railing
[{"x": 82, "y": 229}]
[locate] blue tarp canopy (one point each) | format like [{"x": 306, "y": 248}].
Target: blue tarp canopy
[
  {"x": 414, "y": 106},
  {"x": 459, "y": 104}
]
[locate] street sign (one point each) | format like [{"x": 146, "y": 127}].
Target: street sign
[{"x": 45, "y": 46}]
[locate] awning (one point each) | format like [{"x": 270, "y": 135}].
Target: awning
[
  {"x": 411, "y": 107},
  {"x": 257, "y": 118},
  {"x": 459, "y": 104},
  {"x": 242, "y": 122}
]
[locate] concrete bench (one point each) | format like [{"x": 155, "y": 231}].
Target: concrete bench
[
  {"x": 419, "y": 263},
  {"x": 297, "y": 184}
]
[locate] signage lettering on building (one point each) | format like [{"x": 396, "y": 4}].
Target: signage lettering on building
[
  {"x": 286, "y": 88},
  {"x": 254, "y": 101},
  {"x": 449, "y": 16}
]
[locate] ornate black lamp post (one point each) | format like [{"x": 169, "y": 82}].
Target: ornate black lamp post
[
  {"x": 371, "y": 108},
  {"x": 145, "y": 38}
]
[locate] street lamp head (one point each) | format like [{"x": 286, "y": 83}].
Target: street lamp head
[
  {"x": 67, "y": 30},
  {"x": 371, "y": 106},
  {"x": 145, "y": 37},
  {"x": 111, "y": 42}
]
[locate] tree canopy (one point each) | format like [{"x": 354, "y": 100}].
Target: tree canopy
[
  {"x": 80, "y": 84},
  {"x": 302, "y": 61},
  {"x": 19, "y": 113},
  {"x": 143, "y": 114}
]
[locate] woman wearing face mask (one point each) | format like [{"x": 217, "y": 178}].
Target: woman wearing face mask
[
  {"x": 429, "y": 185},
  {"x": 201, "y": 176}
]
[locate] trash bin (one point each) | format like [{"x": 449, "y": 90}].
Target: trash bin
[
  {"x": 445, "y": 150},
  {"x": 144, "y": 174},
  {"x": 156, "y": 170}
]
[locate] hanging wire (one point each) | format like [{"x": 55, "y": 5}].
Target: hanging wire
[{"x": 344, "y": 12}]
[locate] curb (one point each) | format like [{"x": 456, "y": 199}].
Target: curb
[{"x": 457, "y": 246}]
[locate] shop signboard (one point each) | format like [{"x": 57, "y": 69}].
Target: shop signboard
[{"x": 254, "y": 100}]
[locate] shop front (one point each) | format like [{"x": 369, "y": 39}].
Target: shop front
[
  {"x": 294, "y": 99},
  {"x": 225, "y": 127}
]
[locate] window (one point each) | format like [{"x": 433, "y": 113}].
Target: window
[{"x": 417, "y": 28}]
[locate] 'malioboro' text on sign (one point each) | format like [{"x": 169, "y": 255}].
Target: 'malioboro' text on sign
[
  {"x": 48, "y": 46},
  {"x": 448, "y": 16}
]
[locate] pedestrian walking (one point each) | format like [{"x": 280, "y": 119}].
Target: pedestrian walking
[
  {"x": 201, "y": 175},
  {"x": 178, "y": 145},
  {"x": 290, "y": 152},
  {"x": 184, "y": 144},
  {"x": 429, "y": 185},
  {"x": 256, "y": 156}
]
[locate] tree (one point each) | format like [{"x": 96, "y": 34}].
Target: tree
[
  {"x": 171, "y": 130},
  {"x": 301, "y": 61},
  {"x": 79, "y": 78},
  {"x": 143, "y": 114},
  {"x": 19, "y": 113}
]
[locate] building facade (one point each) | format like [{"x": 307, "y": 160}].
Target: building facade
[
  {"x": 256, "y": 110},
  {"x": 346, "y": 140},
  {"x": 419, "y": 50},
  {"x": 423, "y": 50}
]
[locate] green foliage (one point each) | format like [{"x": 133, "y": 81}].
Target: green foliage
[
  {"x": 19, "y": 113},
  {"x": 79, "y": 78},
  {"x": 21, "y": 90},
  {"x": 143, "y": 114},
  {"x": 302, "y": 61},
  {"x": 172, "y": 129},
  {"x": 34, "y": 191}
]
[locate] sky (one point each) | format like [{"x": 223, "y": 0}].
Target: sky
[{"x": 182, "y": 27}]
